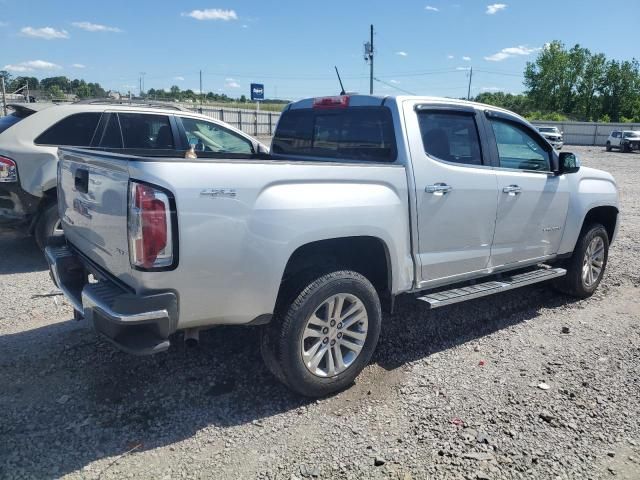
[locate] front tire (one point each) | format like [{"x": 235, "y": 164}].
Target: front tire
[
  {"x": 47, "y": 226},
  {"x": 586, "y": 266},
  {"x": 608, "y": 147},
  {"x": 321, "y": 341}
]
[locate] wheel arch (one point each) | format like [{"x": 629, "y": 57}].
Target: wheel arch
[
  {"x": 367, "y": 255},
  {"x": 606, "y": 215}
]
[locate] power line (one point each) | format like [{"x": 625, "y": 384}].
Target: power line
[{"x": 394, "y": 86}]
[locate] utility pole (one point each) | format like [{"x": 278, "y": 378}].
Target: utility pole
[
  {"x": 469, "y": 89},
  {"x": 201, "y": 94},
  {"x": 142, "y": 74},
  {"x": 368, "y": 56},
  {"x": 4, "y": 98}
]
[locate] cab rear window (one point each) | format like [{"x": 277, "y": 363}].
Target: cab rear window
[{"x": 355, "y": 133}]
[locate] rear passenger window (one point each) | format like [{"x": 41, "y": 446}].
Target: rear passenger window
[
  {"x": 450, "y": 136},
  {"x": 148, "y": 132},
  {"x": 75, "y": 130},
  {"x": 355, "y": 133},
  {"x": 518, "y": 149}
]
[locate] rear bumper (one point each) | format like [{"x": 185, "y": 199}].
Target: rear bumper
[
  {"x": 17, "y": 207},
  {"x": 136, "y": 324}
]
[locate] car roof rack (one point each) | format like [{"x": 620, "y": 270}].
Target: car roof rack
[{"x": 130, "y": 103}]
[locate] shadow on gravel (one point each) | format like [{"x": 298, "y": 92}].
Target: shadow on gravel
[
  {"x": 19, "y": 254},
  {"x": 68, "y": 398}
]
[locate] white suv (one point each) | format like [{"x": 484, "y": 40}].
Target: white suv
[
  {"x": 30, "y": 136},
  {"x": 625, "y": 140}
]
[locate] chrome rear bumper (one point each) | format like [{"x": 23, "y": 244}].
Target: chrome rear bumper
[{"x": 137, "y": 324}]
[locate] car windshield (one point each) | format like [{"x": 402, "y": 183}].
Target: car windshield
[{"x": 631, "y": 134}]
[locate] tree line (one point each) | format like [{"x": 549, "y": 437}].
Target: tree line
[
  {"x": 176, "y": 94},
  {"x": 53, "y": 87},
  {"x": 575, "y": 84}
]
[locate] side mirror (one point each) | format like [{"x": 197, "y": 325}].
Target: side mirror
[
  {"x": 262, "y": 149},
  {"x": 568, "y": 163}
]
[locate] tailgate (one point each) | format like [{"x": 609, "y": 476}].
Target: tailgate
[{"x": 92, "y": 197}]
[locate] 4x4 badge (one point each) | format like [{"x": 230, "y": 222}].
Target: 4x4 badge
[{"x": 218, "y": 193}]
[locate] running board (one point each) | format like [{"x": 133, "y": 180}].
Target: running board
[{"x": 462, "y": 294}]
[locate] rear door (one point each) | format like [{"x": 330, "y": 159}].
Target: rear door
[
  {"x": 456, "y": 190},
  {"x": 532, "y": 200}
]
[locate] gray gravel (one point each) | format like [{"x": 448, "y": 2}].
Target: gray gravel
[{"x": 454, "y": 393}]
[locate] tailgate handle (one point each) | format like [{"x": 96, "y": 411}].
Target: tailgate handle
[{"x": 81, "y": 180}]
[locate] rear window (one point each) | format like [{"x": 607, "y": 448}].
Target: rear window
[
  {"x": 75, "y": 130},
  {"x": 355, "y": 133},
  {"x": 13, "y": 118}
]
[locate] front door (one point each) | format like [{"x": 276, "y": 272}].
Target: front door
[
  {"x": 532, "y": 201},
  {"x": 456, "y": 192}
]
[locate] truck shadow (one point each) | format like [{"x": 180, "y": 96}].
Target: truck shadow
[
  {"x": 20, "y": 254},
  {"x": 63, "y": 386}
]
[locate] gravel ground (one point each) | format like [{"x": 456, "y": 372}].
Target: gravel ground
[{"x": 454, "y": 393}]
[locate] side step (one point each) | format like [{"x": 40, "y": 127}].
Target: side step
[{"x": 462, "y": 294}]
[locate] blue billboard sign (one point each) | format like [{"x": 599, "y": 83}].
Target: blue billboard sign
[{"x": 257, "y": 91}]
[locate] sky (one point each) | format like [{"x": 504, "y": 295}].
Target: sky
[{"x": 420, "y": 47}]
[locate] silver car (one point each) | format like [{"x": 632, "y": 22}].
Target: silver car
[{"x": 31, "y": 134}]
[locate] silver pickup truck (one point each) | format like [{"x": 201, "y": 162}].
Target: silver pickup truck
[{"x": 360, "y": 199}]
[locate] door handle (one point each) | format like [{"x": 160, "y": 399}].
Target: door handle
[
  {"x": 81, "y": 180},
  {"x": 512, "y": 190},
  {"x": 438, "y": 188}
]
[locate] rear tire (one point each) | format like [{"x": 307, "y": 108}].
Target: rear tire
[
  {"x": 608, "y": 147},
  {"x": 47, "y": 225},
  {"x": 587, "y": 265},
  {"x": 319, "y": 343}
]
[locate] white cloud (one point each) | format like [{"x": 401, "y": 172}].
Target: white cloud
[
  {"x": 466, "y": 59},
  {"x": 491, "y": 89},
  {"x": 245, "y": 26},
  {"x": 463, "y": 69},
  {"x": 4, "y": 24},
  {"x": 212, "y": 14},
  {"x": 509, "y": 52},
  {"x": 431, "y": 9},
  {"x": 231, "y": 83},
  {"x": 402, "y": 54},
  {"x": 179, "y": 78},
  {"x": 31, "y": 65},
  {"x": 95, "y": 27},
  {"x": 395, "y": 82},
  {"x": 78, "y": 65},
  {"x": 450, "y": 57},
  {"x": 46, "y": 33},
  {"x": 495, "y": 8}
]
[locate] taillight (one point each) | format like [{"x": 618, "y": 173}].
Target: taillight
[
  {"x": 150, "y": 232},
  {"x": 8, "y": 172},
  {"x": 341, "y": 101}
]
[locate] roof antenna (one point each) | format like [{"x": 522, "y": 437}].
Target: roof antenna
[{"x": 342, "y": 92}]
